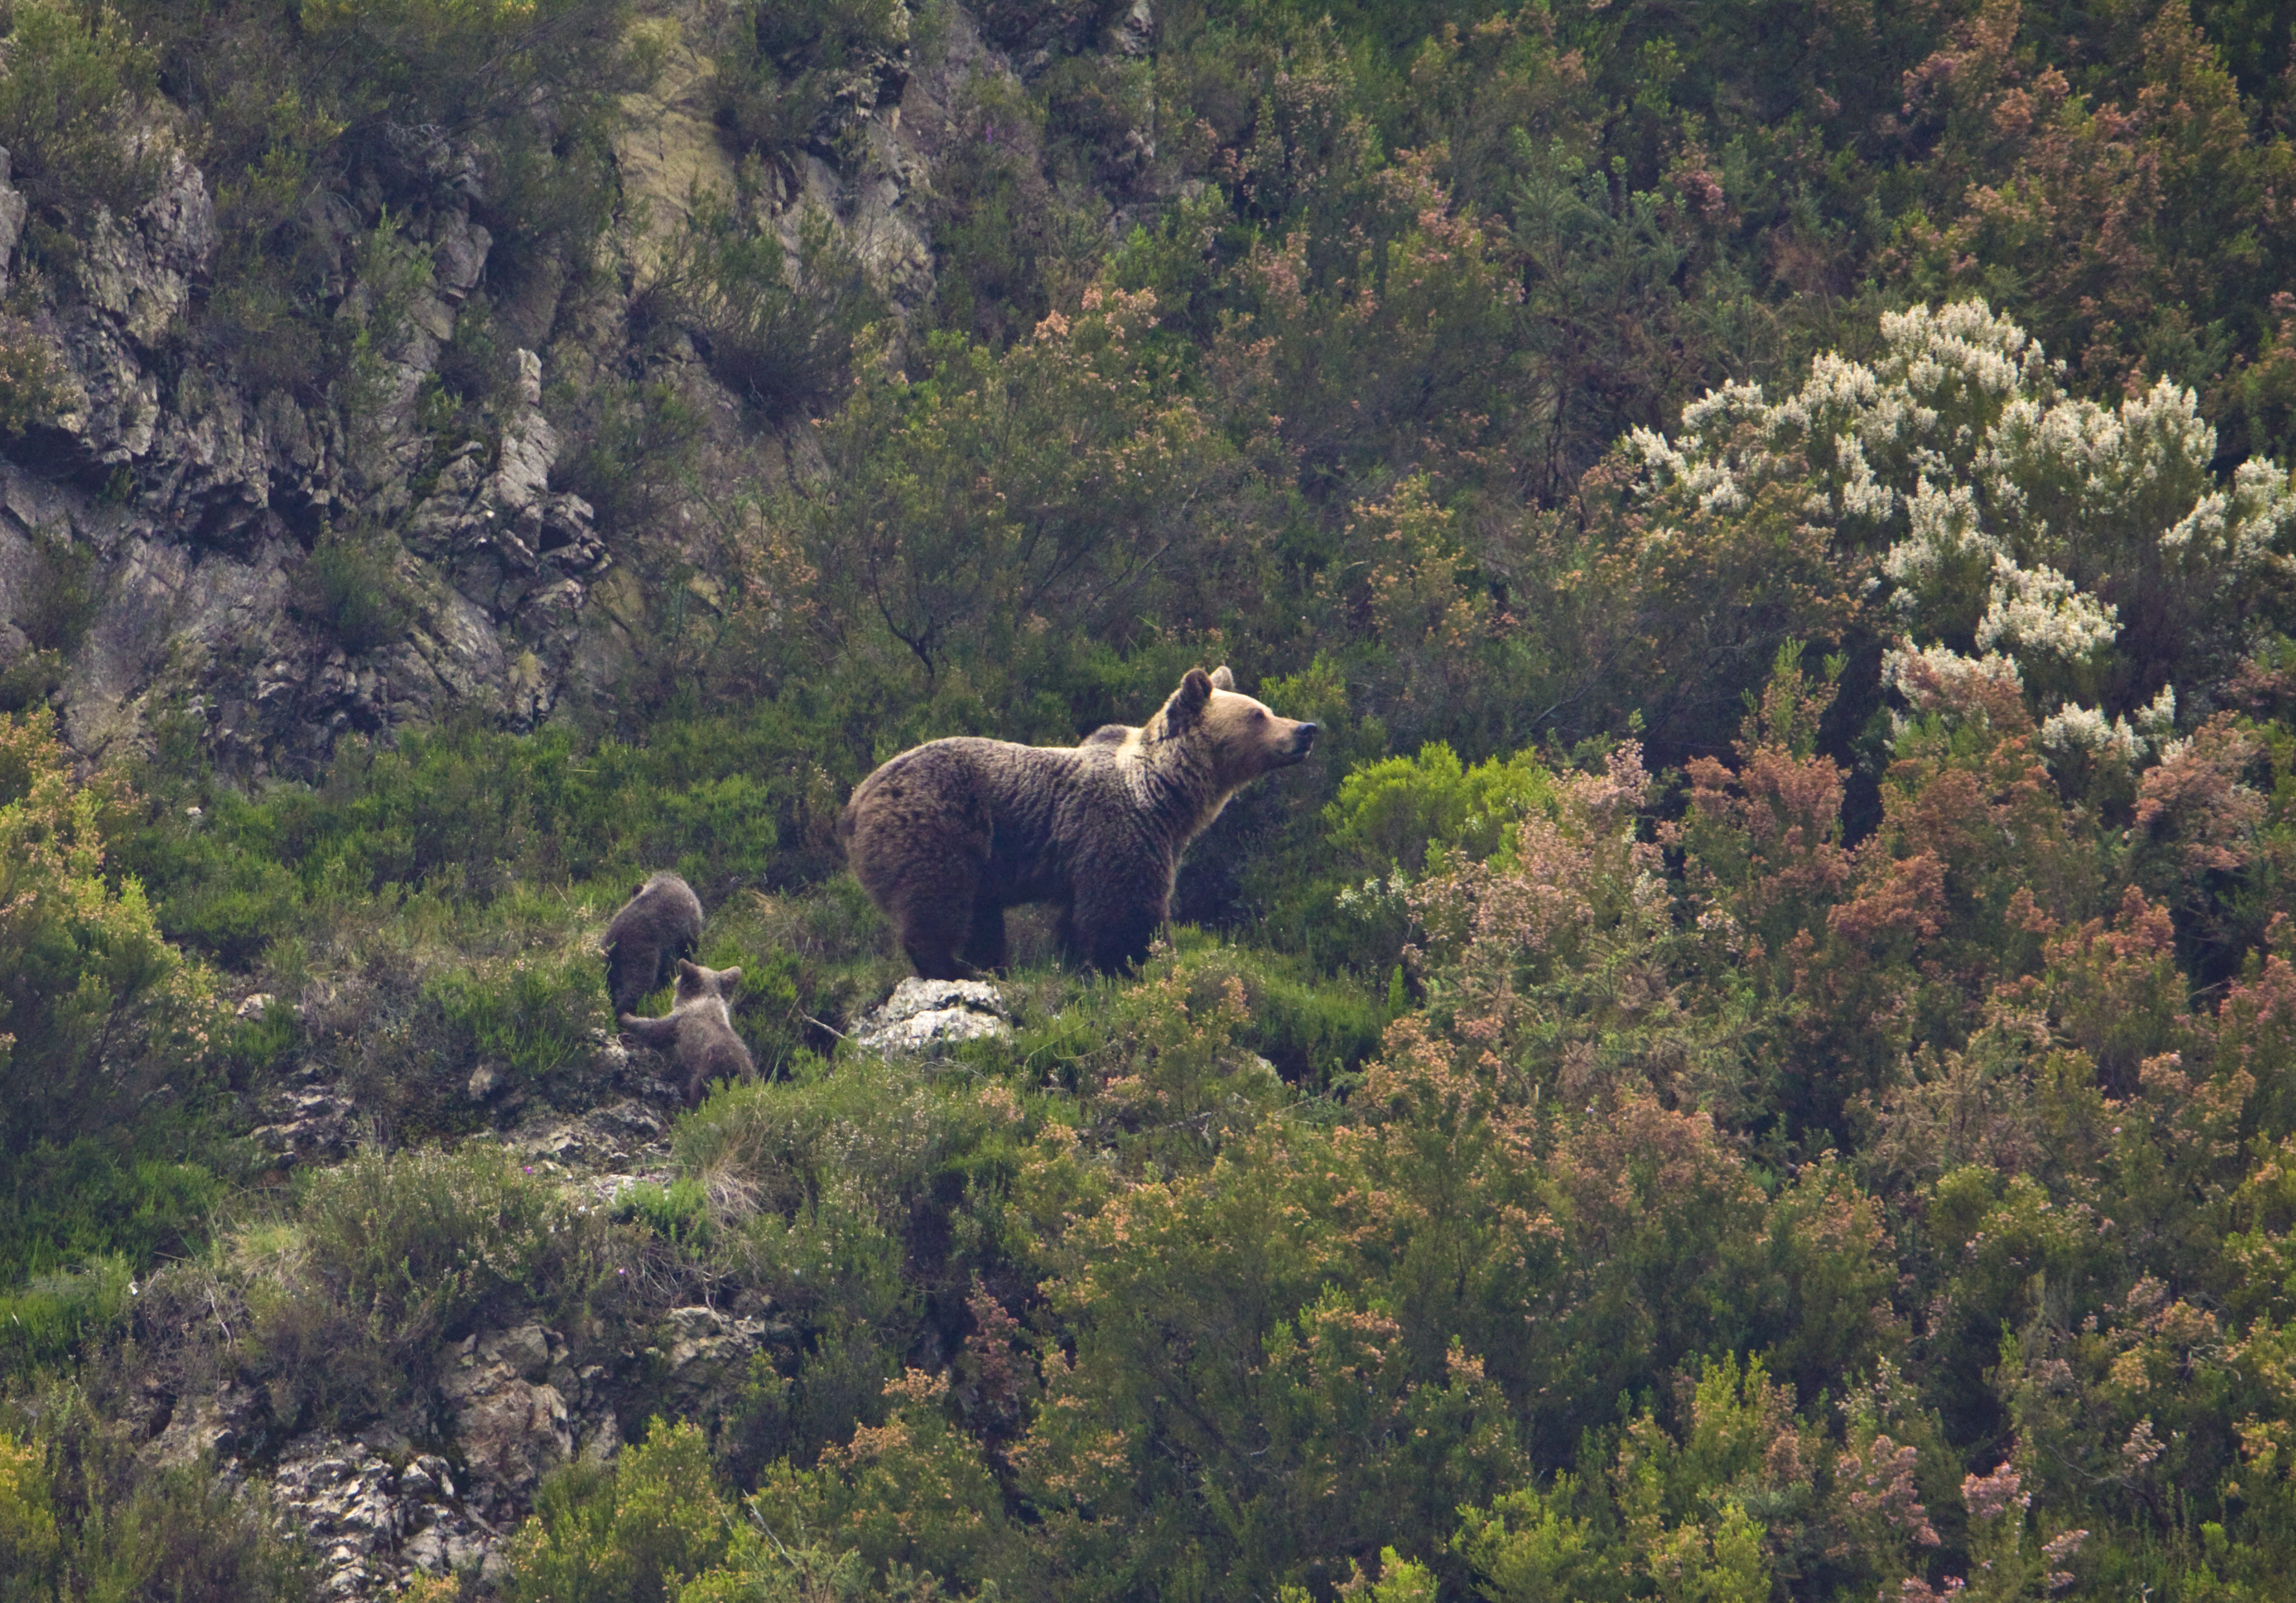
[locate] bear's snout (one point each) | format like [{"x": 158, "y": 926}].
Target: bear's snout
[{"x": 1303, "y": 741}]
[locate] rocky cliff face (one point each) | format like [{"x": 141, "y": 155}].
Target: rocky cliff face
[
  {"x": 185, "y": 509},
  {"x": 284, "y": 564}
]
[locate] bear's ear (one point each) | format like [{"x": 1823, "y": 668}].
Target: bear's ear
[
  {"x": 1189, "y": 699},
  {"x": 728, "y": 978},
  {"x": 689, "y": 969},
  {"x": 637, "y": 890},
  {"x": 1222, "y": 680}
]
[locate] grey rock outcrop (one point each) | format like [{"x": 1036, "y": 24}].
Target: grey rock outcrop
[
  {"x": 13, "y": 213},
  {"x": 373, "y": 1513},
  {"x": 513, "y": 1425},
  {"x": 708, "y": 1355},
  {"x": 346, "y": 1503},
  {"x": 308, "y": 1122},
  {"x": 929, "y": 1016}
]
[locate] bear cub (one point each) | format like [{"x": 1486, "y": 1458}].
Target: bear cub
[
  {"x": 947, "y": 834},
  {"x": 699, "y": 1028},
  {"x": 660, "y": 924}
]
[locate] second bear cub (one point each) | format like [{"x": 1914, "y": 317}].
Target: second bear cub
[{"x": 699, "y": 1027}]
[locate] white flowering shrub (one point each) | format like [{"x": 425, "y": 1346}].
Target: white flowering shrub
[{"x": 2016, "y": 533}]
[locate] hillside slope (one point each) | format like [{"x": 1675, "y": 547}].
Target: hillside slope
[{"x": 1753, "y": 1063}]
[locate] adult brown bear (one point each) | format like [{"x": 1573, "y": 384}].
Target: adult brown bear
[{"x": 949, "y": 834}]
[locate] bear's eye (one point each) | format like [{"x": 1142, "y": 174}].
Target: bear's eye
[{"x": 1260, "y": 714}]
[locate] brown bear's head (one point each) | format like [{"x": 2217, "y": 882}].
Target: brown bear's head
[
  {"x": 695, "y": 982},
  {"x": 1246, "y": 739}
]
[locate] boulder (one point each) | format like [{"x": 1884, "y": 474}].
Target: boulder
[{"x": 929, "y": 1016}]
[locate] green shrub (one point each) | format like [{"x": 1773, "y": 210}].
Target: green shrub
[
  {"x": 861, "y": 1200},
  {"x": 351, "y": 587},
  {"x": 796, "y": 72},
  {"x": 56, "y": 603},
  {"x": 1100, "y": 117},
  {"x": 634, "y": 448},
  {"x": 186, "y": 1535},
  {"x": 30, "y": 1545},
  {"x": 535, "y": 1011},
  {"x": 636, "y": 1531},
  {"x": 718, "y": 831},
  {"x": 96, "y": 1010},
  {"x": 1398, "y": 812},
  {"x": 382, "y": 1261},
  {"x": 775, "y": 327},
  {"x": 60, "y": 599},
  {"x": 678, "y": 1213},
  {"x": 434, "y": 1244},
  {"x": 97, "y": 1195},
  {"x": 915, "y": 1498},
  {"x": 50, "y": 1317},
  {"x": 217, "y": 897},
  {"x": 998, "y": 243}
]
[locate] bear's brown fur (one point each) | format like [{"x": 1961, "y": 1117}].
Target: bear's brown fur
[
  {"x": 660, "y": 923},
  {"x": 949, "y": 834},
  {"x": 699, "y": 1028}
]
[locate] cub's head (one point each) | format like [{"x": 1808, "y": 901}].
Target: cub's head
[
  {"x": 1245, "y": 738},
  {"x": 695, "y": 982}
]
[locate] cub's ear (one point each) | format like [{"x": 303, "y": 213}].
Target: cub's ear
[
  {"x": 689, "y": 969},
  {"x": 1222, "y": 680},
  {"x": 637, "y": 890},
  {"x": 1189, "y": 699},
  {"x": 728, "y": 978}
]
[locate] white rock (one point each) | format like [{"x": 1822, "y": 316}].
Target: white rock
[{"x": 932, "y": 1015}]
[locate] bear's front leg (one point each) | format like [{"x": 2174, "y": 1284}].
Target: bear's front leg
[
  {"x": 659, "y": 1034},
  {"x": 939, "y": 919},
  {"x": 984, "y": 946},
  {"x": 1109, "y": 929}
]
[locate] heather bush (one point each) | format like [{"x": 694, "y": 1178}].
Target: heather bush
[
  {"x": 640, "y": 1529},
  {"x": 96, "y": 1009},
  {"x": 353, "y": 1291}
]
